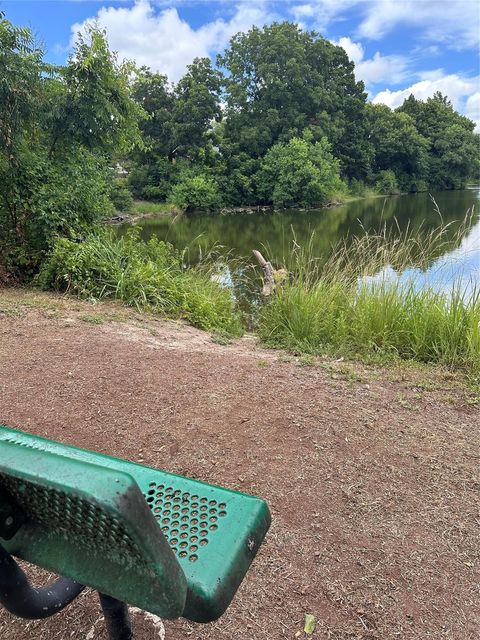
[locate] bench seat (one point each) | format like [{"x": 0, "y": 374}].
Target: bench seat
[{"x": 167, "y": 544}]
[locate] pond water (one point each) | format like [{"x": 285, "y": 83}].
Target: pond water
[{"x": 273, "y": 233}]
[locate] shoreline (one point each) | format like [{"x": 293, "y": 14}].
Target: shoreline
[{"x": 132, "y": 217}]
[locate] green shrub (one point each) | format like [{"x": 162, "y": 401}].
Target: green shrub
[
  {"x": 143, "y": 275},
  {"x": 121, "y": 196},
  {"x": 299, "y": 173},
  {"x": 153, "y": 193},
  {"x": 386, "y": 182},
  {"x": 196, "y": 192},
  {"x": 59, "y": 129},
  {"x": 357, "y": 188}
]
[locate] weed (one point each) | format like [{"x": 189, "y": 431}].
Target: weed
[
  {"x": 306, "y": 360},
  {"x": 10, "y": 311},
  {"x": 220, "y": 337},
  {"x": 92, "y": 319},
  {"x": 406, "y": 404}
]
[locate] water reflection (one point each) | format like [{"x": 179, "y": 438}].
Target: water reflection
[
  {"x": 459, "y": 268},
  {"x": 275, "y": 232}
]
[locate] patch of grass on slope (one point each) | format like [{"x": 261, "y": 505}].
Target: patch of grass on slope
[{"x": 143, "y": 275}]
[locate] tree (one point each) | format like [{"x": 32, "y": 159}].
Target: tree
[
  {"x": 196, "y": 192},
  {"x": 196, "y": 104},
  {"x": 452, "y": 144},
  {"x": 281, "y": 80},
  {"x": 58, "y": 130},
  {"x": 398, "y": 148},
  {"x": 179, "y": 125},
  {"x": 299, "y": 173},
  {"x": 153, "y": 93}
]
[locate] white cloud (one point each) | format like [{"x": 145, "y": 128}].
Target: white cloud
[
  {"x": 453, "y": 22},
  {"x": 165, "y": 42},
  {"x": 391, "y": 68},
  {"x": 321, "y": 12},
  {"x": 303, "y": 11},
  {"x": 472, "y": 108},
  {"x": 462, "y": 92},
  {"x": 432, "y": 74},
  {"x": 354, "y": 49}
]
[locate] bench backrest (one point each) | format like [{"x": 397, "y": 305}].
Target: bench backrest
[{"x": 167, "y": 544}]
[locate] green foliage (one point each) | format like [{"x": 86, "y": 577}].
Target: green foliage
[
  {"x": 120, "y": 196},
  {"x": 46, "y": 199},
  {"x": 58, "y": 127},
  {"x": 152, "y": 180},
  {"x": 195, "y": 192},
  {"x": 196, "y": 104},
  {"x": 281, "y": 80},
  {"x": 452, "y": 144},
  {"x": 179, "y": 126},
  {"x": 299, "y": 172},
  {"x": 386, "y": 182},
  {"x": 281, "y": 83},
  {"x": 97, "y": 110},
  {"x": 356, "y": 188},
  {"x": 399, "y": 149},
  {"x": 143, "y": 275}
]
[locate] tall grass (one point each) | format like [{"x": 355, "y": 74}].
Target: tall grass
[
  {"x": 351, "y": 305},
  {"x": 143, "y": 275}
]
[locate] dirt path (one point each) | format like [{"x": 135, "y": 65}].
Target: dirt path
[{"x": 372, "y": 475}]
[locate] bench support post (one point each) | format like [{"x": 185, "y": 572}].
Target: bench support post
[
  {"x": 25, "y": 601},
  {"x": 117, "y": 619},
  {"x": 21, "y": 599}
]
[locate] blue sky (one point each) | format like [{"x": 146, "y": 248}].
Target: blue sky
[{"x": 398, "y": 46}]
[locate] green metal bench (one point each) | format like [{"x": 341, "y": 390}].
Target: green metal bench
[{"x": 164, "y": 543}]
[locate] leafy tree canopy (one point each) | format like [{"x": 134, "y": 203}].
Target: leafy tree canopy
[
  {"x": 281, "y": 80},
  {"x": 59, "y": 127},
  {"x": 452, "y": 144}
]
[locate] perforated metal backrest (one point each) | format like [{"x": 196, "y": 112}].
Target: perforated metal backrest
[
  {"x": 214, "y": 533},
  {"x": 91, "y": 524}
]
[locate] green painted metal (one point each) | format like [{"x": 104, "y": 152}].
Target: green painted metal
[{"x": 165, "y": 543}]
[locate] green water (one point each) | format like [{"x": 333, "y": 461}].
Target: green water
[{"x": 273, "y": 233}]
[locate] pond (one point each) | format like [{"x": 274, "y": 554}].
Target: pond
[{"x": 273, "y": 233}]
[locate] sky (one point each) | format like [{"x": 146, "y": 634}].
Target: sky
[{"x": 399, "y": 47}]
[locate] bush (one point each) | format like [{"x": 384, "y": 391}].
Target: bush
[
  {"x": 143, "y": 275},
  {"x": 357, "y": 188},
  {"x": 299, "y": 173},
  {"x": 196, "y": 192},
  {"x": 153, "y": 193},
  {"x": 386, "y": 182},
  {"x": 152, "y": 181},
  {"x": 63, "y": 198},
  {"x": 121, "y": 196}
]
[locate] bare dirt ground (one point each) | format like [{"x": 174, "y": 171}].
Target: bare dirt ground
[{"x": 372, "y": 475}]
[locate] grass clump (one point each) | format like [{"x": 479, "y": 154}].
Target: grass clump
[
  {"x": 143, "y": 275},
  {"x": 353, "y": 306}
]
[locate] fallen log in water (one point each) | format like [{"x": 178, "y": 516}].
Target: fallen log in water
[{"x": 271, "y": 276}]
